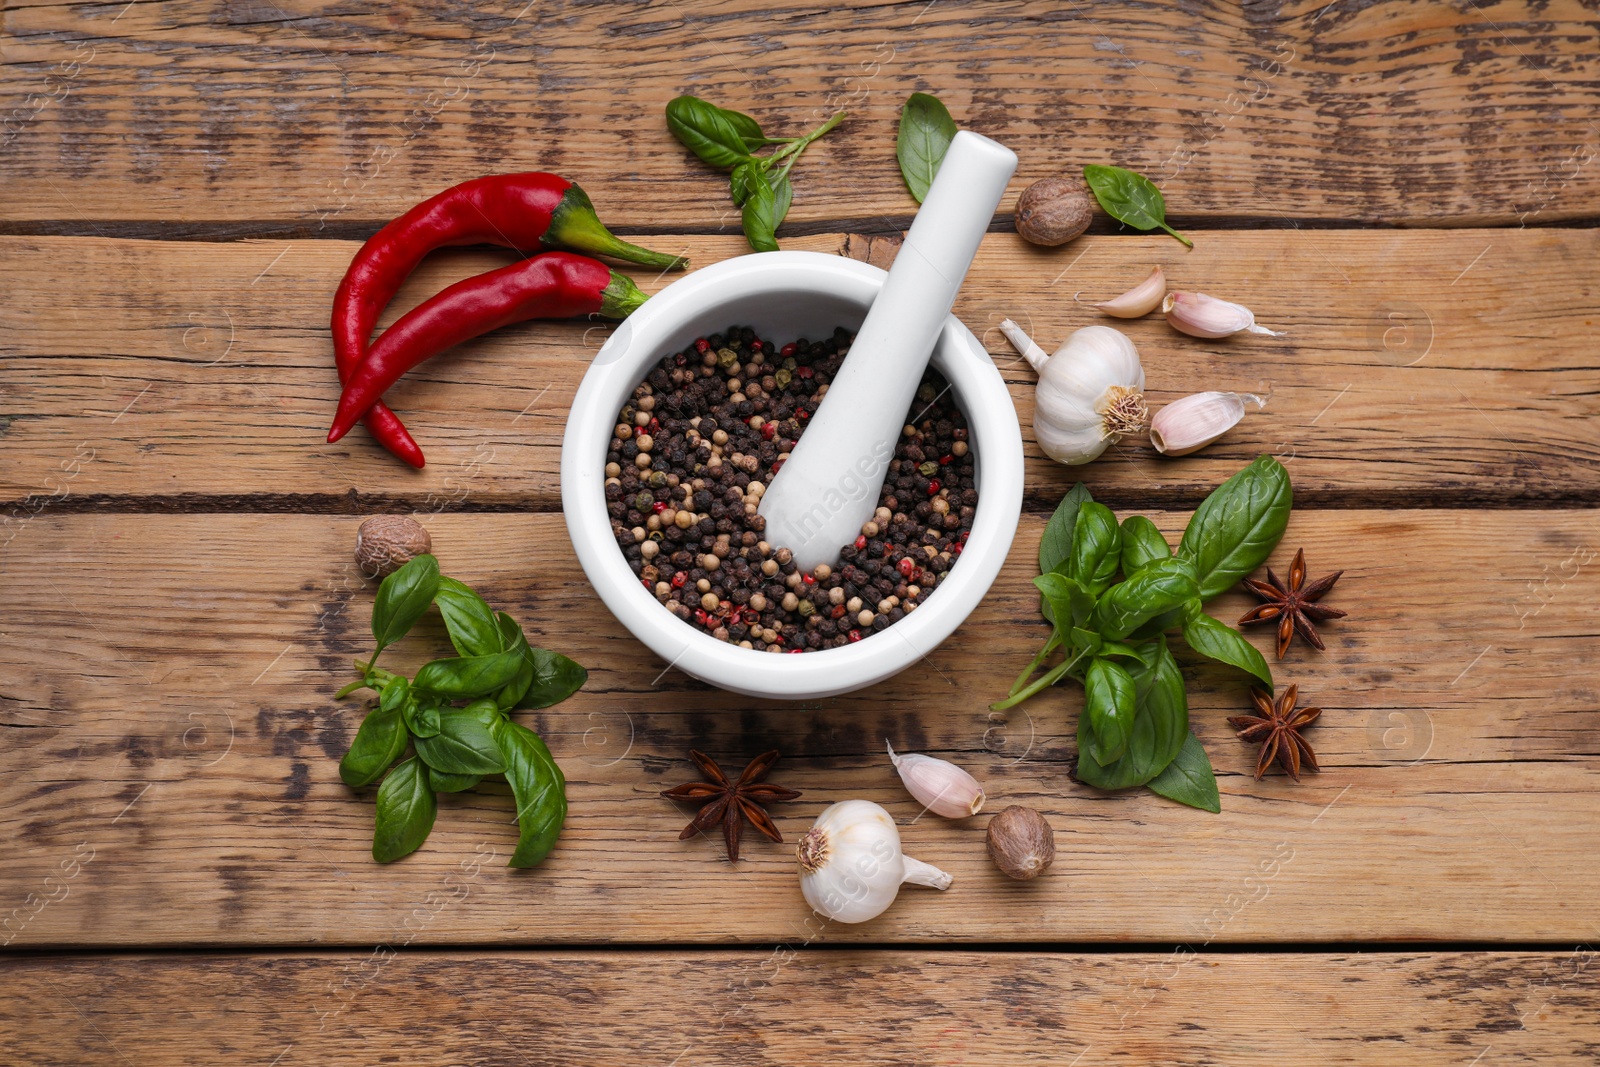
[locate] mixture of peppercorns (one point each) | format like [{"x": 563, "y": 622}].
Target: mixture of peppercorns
[{"x": 693, "y": 451}]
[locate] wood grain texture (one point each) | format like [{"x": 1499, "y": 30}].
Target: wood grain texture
[
  {"x": 170, "y": 739},
  {"x": 309, "y": 113},
  {"x": 1423, "y": 367},
  {"x": 804, "y": 1003}
]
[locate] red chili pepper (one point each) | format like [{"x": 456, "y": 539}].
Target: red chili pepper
[
  {"x": 553, "y": 285},
  {"x": 529, "y": 212}
]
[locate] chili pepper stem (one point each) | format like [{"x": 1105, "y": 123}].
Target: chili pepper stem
[
  {"x": 620, "y": 298},
  {"x": 575, "y": 226}
]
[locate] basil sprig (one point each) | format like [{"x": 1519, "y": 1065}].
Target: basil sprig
[
  {"x": 1112, "y": 593},
  {"x": 926, "y": 130},
  {"x": 1130, "y": 197},
  {"x": 728, "y": 140},
  {"x": 453, "y": 747}
]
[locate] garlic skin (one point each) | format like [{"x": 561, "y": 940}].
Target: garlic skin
[
  {"x": 851, "y": 866},
  {"x": 938, "y": 785},
  {"x": 1199, "y": 315},
  {"x": 1192, "y": 422},
  {"x": 1140, "y": 300},
  {"x": 1090, "y": 393}
]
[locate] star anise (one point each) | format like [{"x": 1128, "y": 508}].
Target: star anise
[
  {"x": 730, "y": 803},
  {"x": 1293, "y": 604},
  {"x": 1278, "y": 729}
]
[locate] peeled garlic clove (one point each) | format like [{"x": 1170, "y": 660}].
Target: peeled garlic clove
[
  {"x": 1140, "y": 300},
  {"x": 938, "y": 785},
  {"x": 1199, "y": 315},
  {"x": 851, "y": 866},
  {"x": 1189, "y": 424}
]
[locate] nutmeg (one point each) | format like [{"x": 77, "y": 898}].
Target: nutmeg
[
  {"x": 1021, "y": 843},
  {"x": 385, "y": 543},
  {"x": 1052, "y": 211}
]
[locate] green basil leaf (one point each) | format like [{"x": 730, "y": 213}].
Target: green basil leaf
[
  {"x": 1055, "y": 547},
  {"x": 1154, "y": 589},
  {"x": 1167, "y": 620},
  {"x": 764, "y": 208},
  {"x": 1109, "y": 704},
  {"x": 1235, "y": 529},
  {"x": 468, "y": 619},
  {"x": 406, "y": 808},
  {"x": 468, "y": 676},
  {"x": 550, "y": 676},
  {"x": 1189, "y": 778},
  {"x": 485, "y": 711},
  {"x": 1160, "y": 722},
  {"x": 402, "y": 599},
  {"x": 422, "y": 717},
  {"x": 555, "y": 678},
  {"x": 740, "y": 180},
  {"x": 452, "y": 783},
  {"x": 1086, "y": 639},
  {"x": 395, "y": 694},
  {"x": 1065, "y": 602},
  {"x": 1142, "y": 543},
  {"x": 926, "y": 130},
  {"x": 1130, "y": 197},
  {"x": 539, "y": 788},
  {"x": 721, "y": 137},
  {"x": 513, "y": 639},
  {"x": 1221, "y": 642},
  {"x": 1096, "y": 548},
  {"x": 514, "y": 690},
  {"x": 464, "y": 745},
  {"x": 1126, "y": 651},
  {"x": 378, "y": 743}
]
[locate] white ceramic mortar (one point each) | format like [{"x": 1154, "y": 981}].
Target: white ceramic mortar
[{"x": 784, "y": 295}]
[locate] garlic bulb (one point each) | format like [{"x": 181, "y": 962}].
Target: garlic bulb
[
  {"x": 851, "y": 866},
  {"x": 1199, "y": 315},
  {"x": 938, "y": 785},
  {"x": 1140, "y": 300},
  {"x": 1090, "y": 392},
  {"x": 1192, "y": 422}
]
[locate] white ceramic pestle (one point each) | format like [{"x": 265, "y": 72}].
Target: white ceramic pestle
[{"x": 829, "y": 486}]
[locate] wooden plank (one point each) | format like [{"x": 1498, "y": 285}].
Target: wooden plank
[
  {"x": 296, "y": 112},
  {"x": 803, "y": 1003},
  {"x": 1418, "y": 367},
  {"x": 171, "y": 740}
]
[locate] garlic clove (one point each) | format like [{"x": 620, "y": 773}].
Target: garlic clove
[
  {"x": 1140, "y": 300},
  {"x": 1199, "y": 315},
  {"x": 1189, "y": 424},
  {"x": 851, "y": 866},
  {"x": 938, "y": 785}
]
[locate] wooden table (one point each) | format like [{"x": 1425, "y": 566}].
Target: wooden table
[{"x": 1406, "y": 189}]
